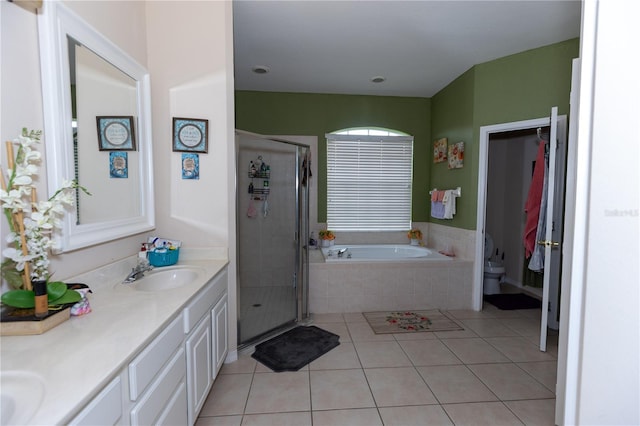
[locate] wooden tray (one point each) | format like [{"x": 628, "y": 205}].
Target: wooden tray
[{"x": 22, "y": 322}]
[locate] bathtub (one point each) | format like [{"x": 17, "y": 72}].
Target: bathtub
[
  {"x": 381, "y": 280},
  {"x": 380, "y": 252}
]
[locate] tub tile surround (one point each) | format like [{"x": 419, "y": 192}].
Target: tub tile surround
[
  {"x": 78, "y": 357},
  {"x": 378, "y": 286}
]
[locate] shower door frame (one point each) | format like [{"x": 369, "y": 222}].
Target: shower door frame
[{"x": 301, "y": 235}]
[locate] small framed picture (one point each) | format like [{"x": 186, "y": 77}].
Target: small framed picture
[
  {"x": 440, "y": 150},
  {"x": 456, "y": 155},
  {"x": 190, "y": 166},
  {"x": 190, "y": 135},
  {"x": 118, "y": 165},
  {"x": 116, "y": 133}
]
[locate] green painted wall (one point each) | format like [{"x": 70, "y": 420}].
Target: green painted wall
[
  {"x": 517, "y": 87},
  {"x": 452, "y": 118},
  {"x": 317, "y": 114}
]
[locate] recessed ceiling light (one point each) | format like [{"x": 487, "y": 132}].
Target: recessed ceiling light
[
  {"x": 378, "y": 79},
  {"x": 260, "y": 69}
]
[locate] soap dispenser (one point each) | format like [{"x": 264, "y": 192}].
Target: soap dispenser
[{"x": 142, "y": 254}]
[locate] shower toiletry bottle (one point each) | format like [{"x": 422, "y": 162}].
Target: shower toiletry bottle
[
  {"x": 263, "y": 168},
  {"x": 265, "y": 183},
  {"x": 41, "y": 302},
  {"x": 250, "y": 187},
  {"x": 252, "y": 169}
]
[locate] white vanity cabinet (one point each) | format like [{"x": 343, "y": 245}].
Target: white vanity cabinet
[
  {"x": 220, "y": 329},
  {"x": 203, "y": 334},
  {"x": 199, "y": 366},
  {"x": 157, "y": 379},
  {"x": 104, "y": 409},
  {"x": 168, "y": 381}
]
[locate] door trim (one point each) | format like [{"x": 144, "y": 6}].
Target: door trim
[{"x": 483, "y": 162}]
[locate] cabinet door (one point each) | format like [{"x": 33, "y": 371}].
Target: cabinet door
[
  {"x": 199, "y": 366},
  {"x": 220, "y": 330},
  {"x": 104, "y": 409}
]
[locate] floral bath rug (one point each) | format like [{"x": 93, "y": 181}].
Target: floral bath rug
[{"x": 410, "y": 321}]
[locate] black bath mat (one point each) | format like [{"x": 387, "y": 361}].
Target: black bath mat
[
  {"x": 510, "y": 301},
  {"x": 296, "y": 348}
]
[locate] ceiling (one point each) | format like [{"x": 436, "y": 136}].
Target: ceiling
[{"x": 337, "y": 46}]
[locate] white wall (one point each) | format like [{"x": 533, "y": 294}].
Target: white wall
[
  {"x": 603, "y": 354},
  {"x": 190, "y": 51}
]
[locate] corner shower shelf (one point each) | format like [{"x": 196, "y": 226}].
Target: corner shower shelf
[
  {"x": 260, "y": 193},
  {"x": 261, "y": 175}
]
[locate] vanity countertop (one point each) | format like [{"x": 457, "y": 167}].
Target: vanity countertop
[{"x": 80, "y": 356}]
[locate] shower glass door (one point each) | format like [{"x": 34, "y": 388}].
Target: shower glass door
[{"x": 272, "y": 214}]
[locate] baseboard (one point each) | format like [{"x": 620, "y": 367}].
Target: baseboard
[{"x": 232, "y": 356}]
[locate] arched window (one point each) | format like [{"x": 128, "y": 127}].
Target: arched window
[{"x": 369, "y": 176}]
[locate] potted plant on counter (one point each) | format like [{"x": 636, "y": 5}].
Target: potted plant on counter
[
  {"x": 31, "y": 224},
  {"x": 327, "y": 237},
  {"x": 415, "y": 235}
]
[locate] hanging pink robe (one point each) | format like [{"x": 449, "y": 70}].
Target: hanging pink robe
[{"x": 532, "y": 205}]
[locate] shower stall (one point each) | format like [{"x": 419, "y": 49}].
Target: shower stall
[{"x": 272, "y": 231}]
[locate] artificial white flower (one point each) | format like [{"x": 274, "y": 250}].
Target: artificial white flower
[{"x": 39, "y": 219}]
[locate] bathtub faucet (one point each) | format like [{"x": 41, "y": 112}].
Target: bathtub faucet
[{"x": 342, "y": 251}]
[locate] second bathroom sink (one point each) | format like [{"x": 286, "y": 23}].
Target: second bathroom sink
[{"x": 166, "y": 278}]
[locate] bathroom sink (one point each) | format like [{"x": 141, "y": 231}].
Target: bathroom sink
[
  {"x": 166, "y": 278},
  {"x": 21, "y": 393}
]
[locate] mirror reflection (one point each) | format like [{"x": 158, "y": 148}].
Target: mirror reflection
[
  {"x": 103, "y": 163},
  {"x": 86, "y": 80}
]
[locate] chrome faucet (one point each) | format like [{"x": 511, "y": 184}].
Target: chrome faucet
[
  {"x": 138, "y": 272},
  {"x": 342, "y": 251}
]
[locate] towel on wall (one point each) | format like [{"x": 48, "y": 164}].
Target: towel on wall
[
  {"x": 443, "y": 204},
  {"x": 449, "y": 202},
  {"x": 437, "y": 209}
]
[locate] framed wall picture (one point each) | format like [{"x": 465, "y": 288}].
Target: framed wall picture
[
  {"x": 116, "y": 133},
  {"x": 440, "y": 150},
  {"x": 190, "y": 135},
  {"x": 456, "y": 155}
]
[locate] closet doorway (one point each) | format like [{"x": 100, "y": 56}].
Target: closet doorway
[{"x": 501, "y": 198}]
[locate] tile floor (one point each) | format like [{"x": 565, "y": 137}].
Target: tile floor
[{"x": 492, "y": 373}]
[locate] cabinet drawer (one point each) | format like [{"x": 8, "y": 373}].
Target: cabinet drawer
[
  {"x": 104, "y": 409},
  {"x": 162, "y": 393},
  {"x": 145, "y": 366},
  {"x": 202, "y": 303}
]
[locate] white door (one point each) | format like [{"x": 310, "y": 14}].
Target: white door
[{"x": 548, "y": 242}]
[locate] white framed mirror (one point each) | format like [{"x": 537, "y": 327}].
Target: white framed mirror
[{"x": 91, "y": 84}]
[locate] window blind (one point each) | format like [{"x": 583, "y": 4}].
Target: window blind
[{"x": 369, "y": 182}]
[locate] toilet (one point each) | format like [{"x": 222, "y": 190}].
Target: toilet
[{"x": 493, "y": 269}]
